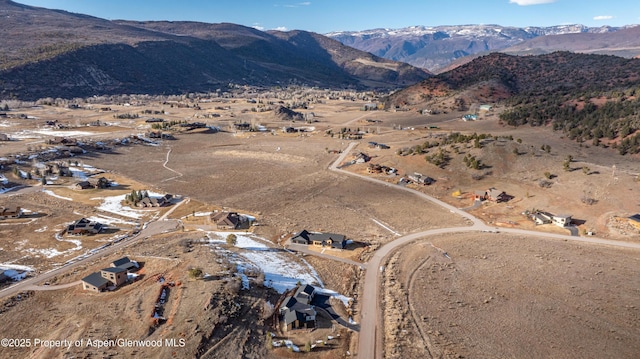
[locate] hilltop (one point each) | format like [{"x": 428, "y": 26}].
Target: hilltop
[
  {"x": 589, "y": 97},
  {"x": 52, "y": 53}
]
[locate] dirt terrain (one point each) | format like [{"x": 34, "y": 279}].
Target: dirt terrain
[
  {"x": 283, "y": 180},
  {"x": 498, "y": 295}
]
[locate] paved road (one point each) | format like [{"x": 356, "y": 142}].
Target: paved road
[{"x": 370, "y": 340}]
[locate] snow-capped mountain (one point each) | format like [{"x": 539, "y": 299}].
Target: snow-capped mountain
[{"x": 434, "y": 47}]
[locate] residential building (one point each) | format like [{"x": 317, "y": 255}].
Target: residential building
[
  {"x": 83, "y": 185},
  {"x": 332, "y": 240},
  {"x": 491, "y": 194},
  {"x": 10, "y": 212},
  {"x": 562, "y": 220},
  {"x": 229, "y": 220},
  {"x": 85, "y": 226},
  {"x": 296, "y": 310},
  {"x": 420, "y": 179},
  {"x": 125, "y": 263},
  {"x": 113, "y": 276}
]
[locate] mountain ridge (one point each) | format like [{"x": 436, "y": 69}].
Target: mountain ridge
[
  {"x": 54, "y": 53},
  {"x": 437, "y": 47}
]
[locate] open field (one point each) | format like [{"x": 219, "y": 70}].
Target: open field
[
  {"x": 283, "y": 180},
  {"x": 500, "y": 295}
]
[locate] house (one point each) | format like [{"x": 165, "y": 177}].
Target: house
[
  {"x": 305, "y": 293},
  {"x": 635, "y": 220},
  {"x": 491, "y": 194},
  {"x": 103, "y": 183},
  {"x": 496, "y": 195},
  {"x": 229, "y": 220},
  {"x": 116, "y": 275},
  {"x": 154, "y": 201},
  {"x": 10, "y": 212},
  {"x": 154, "y": 134},
  {"x": 106, "y": 277},
  {"x": 296, "y": 310},
  {"x": 95, "y": 282},
  {"x": 541, "y": 217},
  {"x": 561, "y": 220},
  {"x": 62, "y": 141},
  {"x": 479, "y": 195},
  {"x": 84, "y": 226},
  {"x": 83, "y": 185},
  {"x": 113, "y": 276},
  {"x": 420, "y": 179},
  {"x": 243, "y": 126},
  {"x": 125, "y": 263},
  {"x": 361, "y": 157},
  {"x": 332, "y": 240}
]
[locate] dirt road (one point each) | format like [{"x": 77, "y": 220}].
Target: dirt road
[
  {"x": 153, "y": 228},
  {"x": 370, "y": 342}
]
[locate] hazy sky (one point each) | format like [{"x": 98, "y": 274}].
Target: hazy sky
[{"x": 324, "y": 16}]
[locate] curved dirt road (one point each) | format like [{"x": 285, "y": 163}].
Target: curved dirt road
[{"x": 370, "y": 340}]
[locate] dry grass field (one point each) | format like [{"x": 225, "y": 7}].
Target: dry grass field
[
  {"x": 499, "y": 296},
  {"x": 283, "y": 179}
]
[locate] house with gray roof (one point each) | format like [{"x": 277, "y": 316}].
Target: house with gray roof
[
  {"x": 85, "y": 226},
  {"x": 95, "y": 282},
  {"x": 113, "y": 276},
  {"x": 296, "y": 310},
  {"x": 126, "y": 263},
  {"x": 332, "y": 240}
]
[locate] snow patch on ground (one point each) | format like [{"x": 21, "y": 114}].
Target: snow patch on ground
[
  {"x": 78, "y": 173},
  {"x": 16, "y": 267},
  {"x": 100, "y": 218},
  {"x": 51, "y": 193},
  {"x": 281, "y": 270},
  {"x": 62, "y": 133},
  {"x": 114, "y": 205},
  {"x": 291, "y": 346},
  {"x": 344, "y": 299},
  {"x": 53, "y": 252}
]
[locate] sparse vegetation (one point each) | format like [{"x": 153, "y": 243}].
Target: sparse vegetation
[
  {"x": 232, "y": 240},
  {"x": 195, "y": 273}
]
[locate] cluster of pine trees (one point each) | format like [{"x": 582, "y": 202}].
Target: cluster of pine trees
[
  {"x": 136, "y": 196},
  {"x": 617, "y": 118}
]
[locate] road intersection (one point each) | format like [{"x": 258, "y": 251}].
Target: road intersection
[{"x": 370, "y": 336}]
